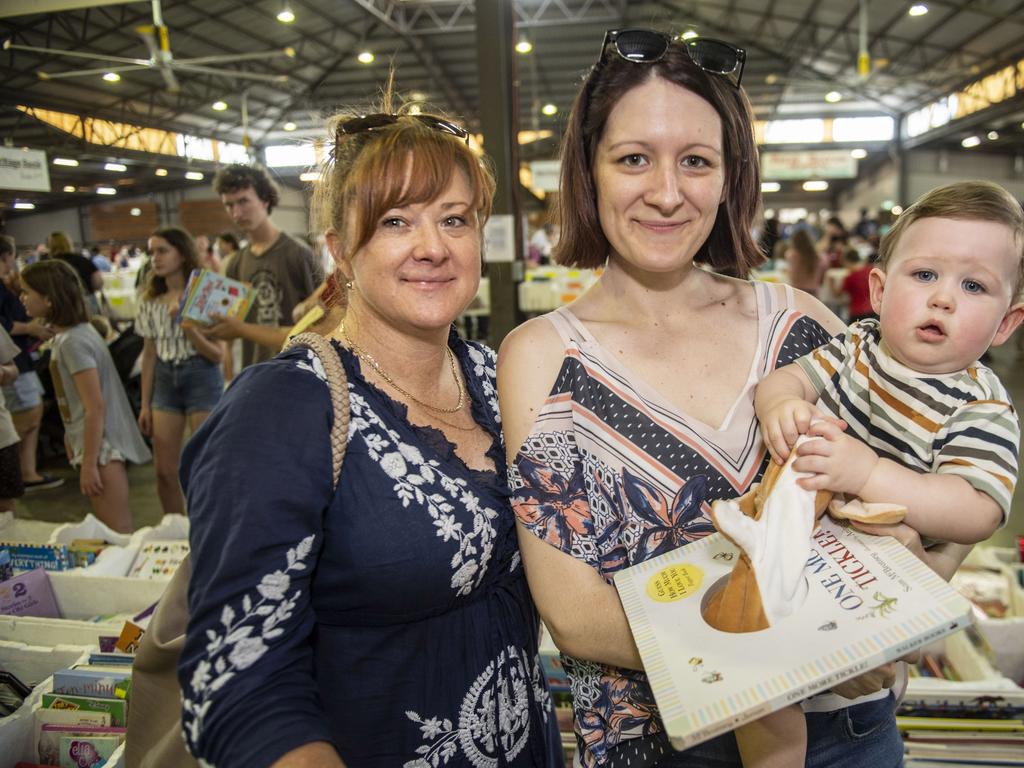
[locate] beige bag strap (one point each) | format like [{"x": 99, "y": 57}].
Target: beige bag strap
[{"x": 338, "y": 383}]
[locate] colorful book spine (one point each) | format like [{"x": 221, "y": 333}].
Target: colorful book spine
[
  {"x": 118, "y": 708},
  {"x": 26, "y": 557},
  {"x": 101, "y": 683}
]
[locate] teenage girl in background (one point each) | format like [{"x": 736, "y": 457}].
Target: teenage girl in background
[
  {"x": 181, "y": 375},
  {"x": 100, "y": 433}
]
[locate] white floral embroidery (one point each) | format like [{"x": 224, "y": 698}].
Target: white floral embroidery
[
  {"x": 312, "y": 364},
  {"x": 237, "y": 647},
  {"x": 484, "y": 368},
  {"x": 494, "y": 716},
  {"x": 422, "y": 481}
]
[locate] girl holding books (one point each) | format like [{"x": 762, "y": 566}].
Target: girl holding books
[
  {"x": 181, "y": 374},
  {"x": 100, "y": 434}
]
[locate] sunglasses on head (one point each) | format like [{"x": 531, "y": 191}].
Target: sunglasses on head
[
  {"x": 366, "y": 123},
  {"x": 646, "y": 46}
]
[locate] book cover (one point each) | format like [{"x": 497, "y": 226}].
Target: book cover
[
  {"x": 869, "y": 600},
  {"x": 124, "y": 659},
  {"x": 158, "y": 559},
  {"x": 129, "y": 639},
  {"x": 48, "y": 751},
  {"x": 29, "y": 594},
  {"x": 26, "y": 557},
  {"x": 88, "y": 681},
  {"x": 117, "y": 708},
  {"x": 208, "y": 293},
  {"x": 87, "y": 751}
]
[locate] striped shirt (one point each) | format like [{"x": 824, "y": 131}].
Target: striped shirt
[
  {"x": 958, "y": 423},
  {"x": 613, "y": 474},
  {"x": 155, "y": 322}
]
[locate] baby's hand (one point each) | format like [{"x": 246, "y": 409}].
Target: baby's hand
[
  {"x": 784, "y": 423},
  {"x": 840, "y": 463}
]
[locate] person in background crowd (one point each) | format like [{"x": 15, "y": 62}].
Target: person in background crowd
[
  {"x": 282, "y": 270},
  {"x": 833, "y": 243},
  {"x": 100, "y": 433},
  {"x": 855, "y": 287},
  {"x": 629, "y": 411},
  {"x": 11, "y": 485},
  {"x": 421, "y": 502},
  {"x": 59, "y": 246},
  {"x": 181, "y": 376},
  {"x": 866, "y": 227},
  {"x": 541, "y": 243},
  {"x": 24, "y": 396},
  {"x": 804, "y": 266},
  {"x": 208, "y": 258},
  {"x": 101, "y": 262},
  {"x": 769, "y": 236},
  {"x": 226, "y": 246}
]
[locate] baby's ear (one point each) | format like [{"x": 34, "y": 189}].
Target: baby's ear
[{"x": 1013, "y": 317}]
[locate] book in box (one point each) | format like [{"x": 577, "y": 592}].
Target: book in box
[{"x": 869, "y": 601}]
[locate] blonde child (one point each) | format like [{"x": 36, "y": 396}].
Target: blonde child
[
  {"x": 929, "y": 427},
  {"x": 100, "y": 433},
  {"x": 181, "y": 375}
]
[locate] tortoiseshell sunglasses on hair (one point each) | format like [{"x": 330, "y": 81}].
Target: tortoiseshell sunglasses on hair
[
  {"x": 646, "y": 46},
  {"x": 365, "y": 123}
]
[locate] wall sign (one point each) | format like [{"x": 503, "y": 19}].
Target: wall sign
[{"x": 24, "y": 169}]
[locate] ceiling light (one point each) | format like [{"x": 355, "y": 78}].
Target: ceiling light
[
  {"x": 135, "y": 212},
  {"x": 69, "y": 188},
  {"x": 309, "y": 176},
  {"x": 366, "y": 57},
  {"x": 415, "y": 109},
  {"x": 771, "y": 79},
  {"x": 418, "y": 96},
  {"x": 106, "y": 191},
  {"x": 289, "y": 126},
  {"x": 111, "y": 77},
  {"x": 25, "y": 206},
  {"x": 993, "y": 135},
  {"x": 858, "y": 154},
  {"x": 833, "y": 96},
  {"x": 65, "y": 161},
  {"x": 970, "y": 141},
  {"x": 194, "y": 175},
  {"x": 770, "y": 186},
  {"x": 920, "y": 9},
  {"x": 549, "y": 109},
  {"x": 690, "y": 34},
  {"x": 160, "y": 172},
  {"x": 815, "y": 186},
  {"x": 524, "y": 46},
  {"x": 896, "y": 210},
  {"x": 219, "y": 105},
  {"x": 285, "y": 15},
  {"x": 115, "y": 167}
]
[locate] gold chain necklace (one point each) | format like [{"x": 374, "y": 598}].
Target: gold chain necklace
[{"x": 362, "y": 355}]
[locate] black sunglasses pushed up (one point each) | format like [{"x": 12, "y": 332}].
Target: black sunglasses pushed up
[
  {"x": 374, "y": 122},
  {"x": 646, "y": 46}
]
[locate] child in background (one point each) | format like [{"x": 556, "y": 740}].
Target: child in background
[
  {"x": 929, "y": 428},
  {"x": 181, "y": 375},
  {"x": 100, "y": 433},
  {"x": 855, "y": 288},
  {"x": 11, "y": 485}
]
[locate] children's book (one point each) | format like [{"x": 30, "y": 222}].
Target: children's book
[
  {"x": 117, "y": 708},
  {"x": 869, "y": 601},
  {"x": 208, "y": 293},
  {"x": 90, "y": 681},
  {"x": 48, "y": 751},
  {"x": 29, "y": 594},
  {"x": 158, "y": 559},
  {"x": 25, "y": 557},
  {"x": 52, "y": 734},
  {"x": 87, "y": 751}
]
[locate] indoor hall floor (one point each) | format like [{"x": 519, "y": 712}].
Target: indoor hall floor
[{"x": 66, "y": 504}]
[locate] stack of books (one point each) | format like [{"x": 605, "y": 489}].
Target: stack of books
[{"x": 209, "y": 294}]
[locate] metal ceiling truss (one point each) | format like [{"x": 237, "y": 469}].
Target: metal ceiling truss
[{"x": 447, "y": 16}]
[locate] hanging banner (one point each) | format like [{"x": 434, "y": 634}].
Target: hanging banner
[
  {"x": 819, "y": 164},
  {"x": 24, "y": 169}
]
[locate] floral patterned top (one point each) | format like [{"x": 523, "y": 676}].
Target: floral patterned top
[
  {"x": 390, "y": 618},
  {"x": 613, "y": 474}
]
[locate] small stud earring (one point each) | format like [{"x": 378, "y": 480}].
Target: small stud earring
[{"x": 348, "y": 285}]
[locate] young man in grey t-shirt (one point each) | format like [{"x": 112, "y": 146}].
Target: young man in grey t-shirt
[{"x": 282, "y": 269}]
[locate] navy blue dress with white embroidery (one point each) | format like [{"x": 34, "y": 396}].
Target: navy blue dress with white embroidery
[{"x": 390, "y": 618}]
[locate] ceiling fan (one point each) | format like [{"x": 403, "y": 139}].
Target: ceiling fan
[{"x": 156, "y": 38}]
